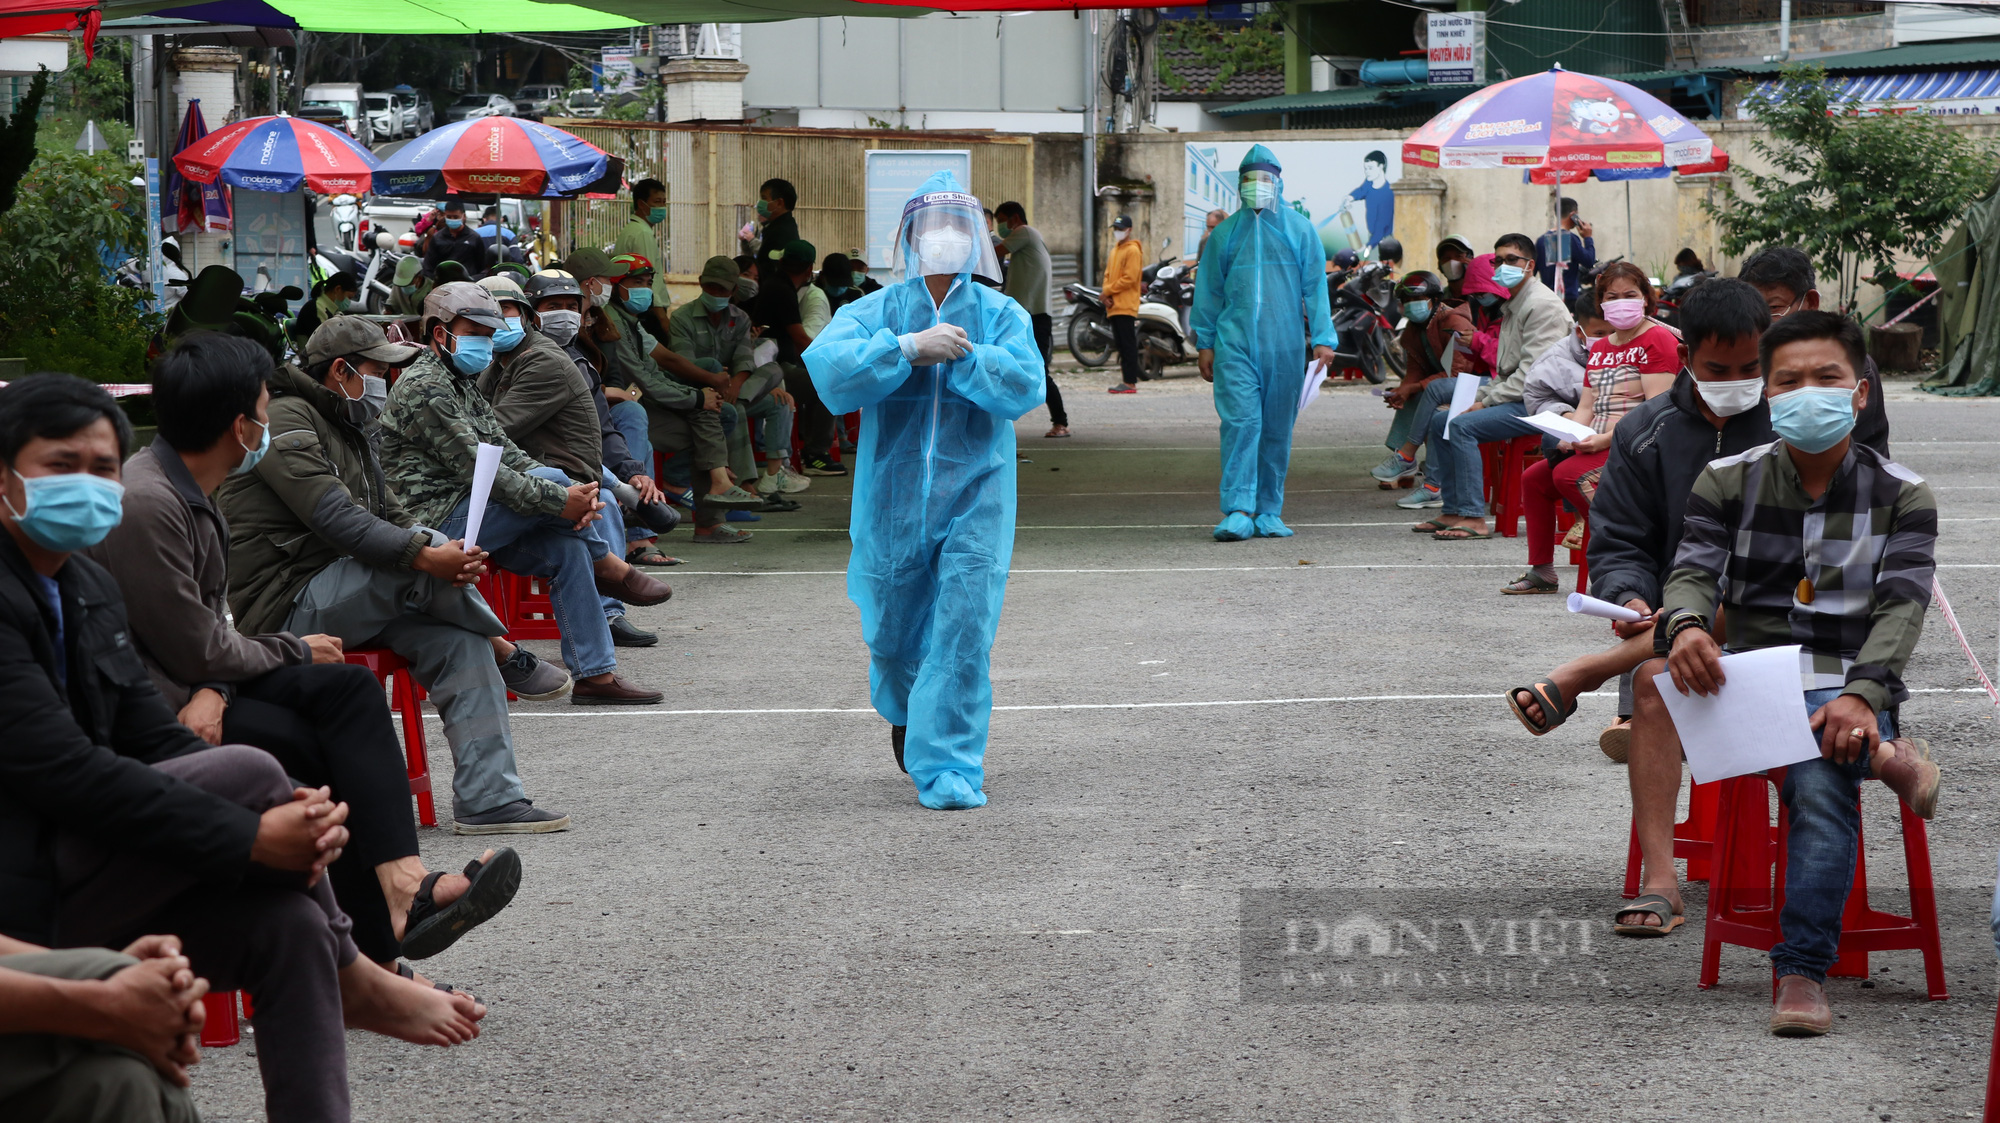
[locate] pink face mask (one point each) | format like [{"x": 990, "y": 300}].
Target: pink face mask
[{"x": 1623, "y": 314}]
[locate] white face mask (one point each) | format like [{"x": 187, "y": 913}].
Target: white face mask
[
  {"x": 561, "y": 325},
  {"x": 944, "y": 250},
  {"x": 1730, "y": 398},
  {"x": 1121, "y": 235}
]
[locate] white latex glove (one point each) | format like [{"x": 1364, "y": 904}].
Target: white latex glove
[{"x": 935, "y": 345}]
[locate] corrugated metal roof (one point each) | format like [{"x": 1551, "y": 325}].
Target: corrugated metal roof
[
  {"x": 1941, "y": 53},
  {"x": 1346, "y": 97}
]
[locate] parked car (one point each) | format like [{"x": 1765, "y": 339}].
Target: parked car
[
  {"x": 343, "y": 96},
  {"x": 540, "y": 99},
  {"x": 583, "y": 103},
  {"x": 480, "y": 105},
  {"x": 419, "y": 116},
  {"x": 385, "y": 115}
]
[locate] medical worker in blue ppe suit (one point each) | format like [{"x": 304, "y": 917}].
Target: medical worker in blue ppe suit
[
  {"x": 939, "y": 367},
  {"x": 1258, "y": 296}
]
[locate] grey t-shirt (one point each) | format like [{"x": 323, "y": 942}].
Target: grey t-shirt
[{"x": 1027, "y": 270}]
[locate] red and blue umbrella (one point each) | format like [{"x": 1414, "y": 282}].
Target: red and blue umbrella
[
  {"x": 279, "y": 154},
  {"x": 1560, "y": 120},
  {"x": 199, "y": 204},
  {"x": 493, "y": 156}
]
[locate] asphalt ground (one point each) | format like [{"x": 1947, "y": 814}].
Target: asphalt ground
[{"x": 753, "y": 919}]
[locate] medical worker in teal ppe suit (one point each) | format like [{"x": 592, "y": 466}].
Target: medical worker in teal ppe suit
[
  {"x": 939, "y": 367},
  {"x": 1259, "y": 295}
]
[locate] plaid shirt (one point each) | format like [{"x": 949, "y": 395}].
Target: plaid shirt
[{"x": 1868, "y": 546}]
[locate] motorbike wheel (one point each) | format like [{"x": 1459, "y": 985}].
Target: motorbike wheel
[{"x": 1079, "y": 331}]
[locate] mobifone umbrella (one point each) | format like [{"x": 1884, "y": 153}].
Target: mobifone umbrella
[
  {"x": 1562, "y": 120},
  {"x": 494, "y": 156},
  {"x": 279, "y": 154},
  {"x": 198, "y": 204}
]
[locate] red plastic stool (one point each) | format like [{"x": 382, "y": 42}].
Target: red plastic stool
[
  {"x": 1693, "y": 837},
  {"x": 407, "y": 696},
  {"x": 218, "y": 1028},
  {"x": 1747, "y": 892},
  {"x": 1579, "y": 557},
  {"x": 1503, "y": 463},
  {"x": 534, "y": 614},
  {"x": 1992, "y": 1112}
]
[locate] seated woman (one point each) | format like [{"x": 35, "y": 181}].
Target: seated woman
[{"x": 1637, "y": 361}]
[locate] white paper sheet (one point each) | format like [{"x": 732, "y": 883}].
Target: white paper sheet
[
  {"x": 1462, "y": 395},
  {"x": 1756, "y": 721},
  {"x": 1604, "y": 609},
  {"x": 485, "y": 465},
  {"x": 1559, "y": 427},
  {"x": 1315, "y": 374}
]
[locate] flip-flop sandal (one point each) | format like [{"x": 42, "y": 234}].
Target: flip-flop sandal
[
  {"x": 1650, "y": 903},
  {"x": 1458, "y": 534},
  {"x": 432, "y": 928},
  {"x": 650, "y": 555},
  {"x": 409, "y": 972},
  {"x": 1430, "y": 526},
  {"x": 1546, "y": 694},
  {"x": 1527, "y": 585}
]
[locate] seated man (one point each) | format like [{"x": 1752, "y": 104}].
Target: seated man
[
  {"x": 320, "y": 543},
  {"x": 116, "y": 821},
  {"x": 293, "y": 696},
  {"x": 1432, "y": 354},
  {"x": 709, "y": 343},
  {"x": 1820, "y": 541},
  {"x": 680, "y": 418},
  {"x": 546, "y": 404},
  {"x": 91, "y": 1035},
  {"x": 536, "y": 520},
  {"x": 1533, "y": 319},
  {"x": 1784, "y": 276},
  {"x": 787, "y": 269}
]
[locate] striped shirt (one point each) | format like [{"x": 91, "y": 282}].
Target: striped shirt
[{"x": 1846, "y": 576}]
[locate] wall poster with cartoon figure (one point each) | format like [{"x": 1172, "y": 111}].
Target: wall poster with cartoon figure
[{"x": 1346, "y": 187}]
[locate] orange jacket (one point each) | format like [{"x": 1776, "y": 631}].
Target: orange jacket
[{"x": 1121, "y": 279}]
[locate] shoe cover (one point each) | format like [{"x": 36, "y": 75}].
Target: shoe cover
[
  {"x": 1235, "y": 528},
  {"x": 949, "y": 791},
  {"x": 1265, "y": 267},
  {"x": 933, "y": 510},
  {"x": 1271, "y": 526}
]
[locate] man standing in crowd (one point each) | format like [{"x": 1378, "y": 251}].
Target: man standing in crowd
[
  {"x": 320, "y": 543},
  {"x": 455, "y": 241},
  {"x": 640, "y": 236},
  {"x": 1250, "y": 299},
  {"x": 1820, "y": 541},
  {"x": 776, "y": 200},
  {"x": 1026, "y": 257},
  {"x": 1570, "y": 248},
  {"x": 939, "y": 368},
  {"x": 1122, "y": 272}
]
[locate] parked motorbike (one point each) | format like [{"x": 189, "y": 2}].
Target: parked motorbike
[
  {"x": 1365, "y": 320},
  {"x": 1090, "y": 339},
  {"x": 375, "y": 269},
  {"x": 1162, "y": 320},
  {"x": 1674, "y": 293},
  {"x": 347, "y": 221}
]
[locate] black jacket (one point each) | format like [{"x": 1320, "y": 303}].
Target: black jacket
[
  {"x": 77, "y": 757},
  {"x": 1656, "y": 453},
  {"x": 463, "y": 245}
]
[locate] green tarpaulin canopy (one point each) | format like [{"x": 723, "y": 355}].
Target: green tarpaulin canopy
[{"x": 1969, "y": 304}]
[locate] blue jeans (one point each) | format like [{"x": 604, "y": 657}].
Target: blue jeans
[
  {"x": 629, "y": 418},
  {"x": 1414, "y": 421},
  {"x": 1455, "y": 464},
  {"x": 546, "y": 546},
  {"x": 610, "y": 529},
  {"x": 1820, "y": 797}
]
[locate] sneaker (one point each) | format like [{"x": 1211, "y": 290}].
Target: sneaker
[
  {"x": 518, "y": 817},
  {"x": 734, "y": 497},
  {"x": 1123, "y": 388},
  {"x": 1394, "y": 468},
  {"x": 822, "y": 466},
  {"x": 624, "y": 633},
  {"x": 790, "y": 482},
  {"x": 1420, "y": 498},
  {"x": 531, "y": 679},
  {"x": 618, "y": 692},
  {"x": 721, "y": 534},
  {"x": 738, "y": 516}
]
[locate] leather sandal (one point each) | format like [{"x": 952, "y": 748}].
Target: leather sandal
[{"x": 431, "y": 927}]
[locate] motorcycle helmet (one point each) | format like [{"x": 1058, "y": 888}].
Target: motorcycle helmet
[
  {"x": 1346, "y": 259},
  {"x": 1389, "y": 249},
  {"x": 1418, "y": 285},
  {"x": 552, "y": 282}
]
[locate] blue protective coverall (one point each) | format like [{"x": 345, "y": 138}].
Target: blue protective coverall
[
  {"x": 933, "y": 514},
  {"x": 1258, "y": 298}
]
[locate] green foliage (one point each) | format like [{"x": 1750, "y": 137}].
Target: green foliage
[
  {"x": 58, "y": 308},
  {"x": 59, "y": 133},
  {"x": 17, "y": 141},
  {"x": 101, "y": 89},
  {"x": 1853, "y": 190},
  {"x": 633, "y": 104},
  {"x": 1231, "y": 49}
]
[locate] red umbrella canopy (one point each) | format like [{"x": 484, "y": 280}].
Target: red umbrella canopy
[
  {"x": 1560, "y": 120},
  {"x": 279, "y": 154}
]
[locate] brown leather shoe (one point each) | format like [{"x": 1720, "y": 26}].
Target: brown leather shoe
[
  {"x": 1910, "y": 774},
  {"x": 618, "y": 692},
  {"x": 635, "y": 587},
  {"x": 1800, "y": 1009}
]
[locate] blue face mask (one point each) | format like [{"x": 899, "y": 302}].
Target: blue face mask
[
  {"x": 638, "y": 300},
  {"x": 509, "y": 337},
  {"x": 471, "y": 353},
  {"x": 1815, "y": 418},
  {"x": 714, "y": 303},
  {"x": 69, "y": 512},
  {"x": 253, "y": 455},
  {"x": 1419, "y": 311},
  {"x": 453, "y": 223},
  {"x": 1507, "y": 276}
]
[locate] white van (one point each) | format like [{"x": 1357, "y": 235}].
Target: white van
[{"x": 321, "y": 99}]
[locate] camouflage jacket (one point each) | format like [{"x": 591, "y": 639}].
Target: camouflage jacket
[{"x": 431, "y": 430}]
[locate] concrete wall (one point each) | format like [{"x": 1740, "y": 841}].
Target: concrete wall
[{"x": 1723, "y": 44}]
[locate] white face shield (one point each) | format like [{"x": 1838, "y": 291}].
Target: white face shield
[{"x": 944, "y": 233}]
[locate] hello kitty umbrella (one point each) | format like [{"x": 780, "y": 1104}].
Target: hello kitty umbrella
[{"x": 1563, "y": 123}]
